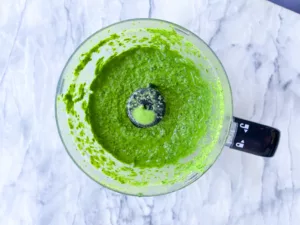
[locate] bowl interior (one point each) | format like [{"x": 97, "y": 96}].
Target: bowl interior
[{"x": 76, "y": 133}]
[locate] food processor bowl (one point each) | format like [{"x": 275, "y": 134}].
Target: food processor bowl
[{"x": 76, "y": 133}]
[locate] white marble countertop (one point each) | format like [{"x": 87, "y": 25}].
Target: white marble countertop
[{"x": 259, "y": 45}]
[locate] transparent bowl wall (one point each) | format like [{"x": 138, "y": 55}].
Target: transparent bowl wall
[{"x": 216, "y": 70}]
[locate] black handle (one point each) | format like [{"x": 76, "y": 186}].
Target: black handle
[{"x": 255, "y": 138}]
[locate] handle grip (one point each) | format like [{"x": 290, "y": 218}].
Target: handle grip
[{"x": 254, "y": 138}]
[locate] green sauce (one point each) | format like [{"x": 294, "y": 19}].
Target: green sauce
[
  {"x": 99, "y": 123},
  {"x": 188, "y": 105}
]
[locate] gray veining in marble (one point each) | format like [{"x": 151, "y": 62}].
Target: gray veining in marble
[{"x": 259, "y": 45}]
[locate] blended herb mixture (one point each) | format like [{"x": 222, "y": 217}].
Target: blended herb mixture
[
  {"x": 188, "y": 105},
  {"x": 193, "y": 108}
]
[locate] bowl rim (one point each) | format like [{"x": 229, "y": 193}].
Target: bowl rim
[{"x": 59, "y": 85}]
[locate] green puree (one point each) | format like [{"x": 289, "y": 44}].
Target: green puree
[{"x": 188, "y": 106}]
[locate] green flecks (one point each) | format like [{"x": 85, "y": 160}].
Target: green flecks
[
  {"x": 81, "y": 133},
  {"x": 80, "y": 125},
  {"x": 71, "y": 124},
  {"x": 95, "y": 161},
  {"x": 80, "y": 146},
  {"x": 115, "y": 175},
  {"x": 99, "y": 65},
  {"x": 121, "y": 44},
  {"x": 111, "y": 163},
  {"x": 68, "y": 98},
  {"x": 171, "y": 35},
  {"x": 72, "y": 96},
  {"x": 80, "y": 93},
  {"x": 87, "y": 115},
  {"x": 89, "y": 150},
  {"x": 127, "y": 40},
  {"x": 84, "y": 105},
  {"x": 78, "y": 139},
  {"x": 69, "y": 102},
  {"x": 144, "y": 39},
  {"x": 86, "y": 59}
]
